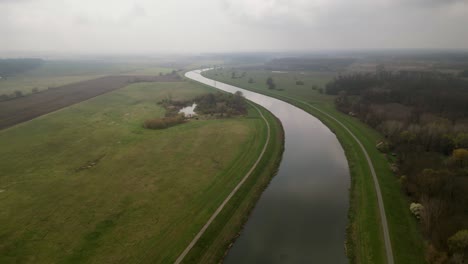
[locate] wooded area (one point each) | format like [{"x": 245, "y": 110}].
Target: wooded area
[
  {"x": 222, "y": 104},
  {"x": 424, "y": 118}
]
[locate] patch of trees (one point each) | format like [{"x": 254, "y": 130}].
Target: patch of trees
[
  {"x": 235, "y": 76},
  {"x": 9, "y": 67},
  {"x": 424, "y": 118},
  {"x": 221, "y": 104}
]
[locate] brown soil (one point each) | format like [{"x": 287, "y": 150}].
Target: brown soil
[{"x": 25, "y": 108}]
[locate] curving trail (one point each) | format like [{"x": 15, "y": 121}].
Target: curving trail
[{"x": 231, "y": 194}]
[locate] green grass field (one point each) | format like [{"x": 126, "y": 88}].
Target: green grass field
[
  {"x": 150, "y": 71},
  {"x": 365, "y": 239},
  {"x": 89, "y": 184},
  {"x": 52, "y": 74}
]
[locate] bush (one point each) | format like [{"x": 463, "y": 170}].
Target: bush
[
  {"x": 458, "y": 243},
  {"x": 165, "y": 122},
  {"x": 435, "y": 256},
  {"x": 299, "y": 83},
  {"x": 416, "y": 209},
  {"x": 18, "y": 93},
  {"x": 270, "y": 83}
]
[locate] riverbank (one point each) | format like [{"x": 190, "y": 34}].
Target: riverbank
[
  {"x": 301, "y": 217},
  {"x": 215, "y": 242},
  {"x": 365, "y": 241}
]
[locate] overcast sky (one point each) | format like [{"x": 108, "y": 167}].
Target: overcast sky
[{"x": 155, "y": 26}]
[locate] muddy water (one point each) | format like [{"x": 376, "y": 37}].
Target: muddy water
[{"x": 302, "y": 215}]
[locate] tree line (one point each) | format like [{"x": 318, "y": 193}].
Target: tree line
[
  {"x": 424, "y": 118},
  {"x": 10, "y": 67}
]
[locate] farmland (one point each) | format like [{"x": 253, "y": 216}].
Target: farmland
[
  {"x": 89, "y": 184},
  {"x": 53, "y": 74},
  {"x": 25, "y": 108}
]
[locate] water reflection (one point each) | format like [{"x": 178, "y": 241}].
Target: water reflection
[
  {"x": 302, "y": 215},
  {"x": 189, "y": 110}
]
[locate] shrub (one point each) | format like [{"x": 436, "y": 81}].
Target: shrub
[
  {"x": 165, "y": 122},
  {"x": 270, "y": 83},
  {"x": 18, "y": 93},
  {"x": 458, "y": 243},
  {"x": 435, "y": 256},
  {"x": 416, "y": 209}
]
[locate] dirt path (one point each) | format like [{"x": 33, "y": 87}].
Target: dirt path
[{"x": 218, "y": 210}]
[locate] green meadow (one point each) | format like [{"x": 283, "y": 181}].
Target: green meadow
[{"x": 88, "y": 184}]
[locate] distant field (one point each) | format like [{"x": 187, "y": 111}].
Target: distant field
[
  {"x": 25, "y": 108},
  {"x": 285, "y": 81},
  {"x": 366, "y": 241},
  {"x": 57, "y": 73},
  {"x": 150, "y": 71},
  {"x": 89, "y": 184}
]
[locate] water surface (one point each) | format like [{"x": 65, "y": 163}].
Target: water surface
[
  {"x": 302, "y": 215},
  {"x": 189, "y": 110}
]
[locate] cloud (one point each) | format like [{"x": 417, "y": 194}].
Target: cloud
[
  {"x": 434, "y": 3},
  {"x": 230, "y": 25},
  {"x": 275, "y": 12}
]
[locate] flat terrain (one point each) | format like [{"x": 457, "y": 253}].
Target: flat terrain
[
  {"x": 21, "y": 109},
  {"x": 52, "y": 74},
  {"x": 365, "y": 240},
  {"x": 89, "y": 184}
]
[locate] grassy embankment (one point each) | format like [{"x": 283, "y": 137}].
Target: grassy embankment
[
  {"x": 365, "y": 239},
  {"x": 89, "y": 184},
  {"x": 52, "y": 74}
]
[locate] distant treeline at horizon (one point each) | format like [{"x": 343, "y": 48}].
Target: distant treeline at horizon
[{"x": 9, "y": 67}]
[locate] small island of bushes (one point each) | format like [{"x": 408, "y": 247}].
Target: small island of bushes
[{"x": 211, "y": 105}]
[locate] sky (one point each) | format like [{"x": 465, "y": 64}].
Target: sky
[{"x": 188, "y": 26}]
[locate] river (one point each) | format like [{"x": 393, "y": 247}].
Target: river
[{"x": 301, "y": 216}]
